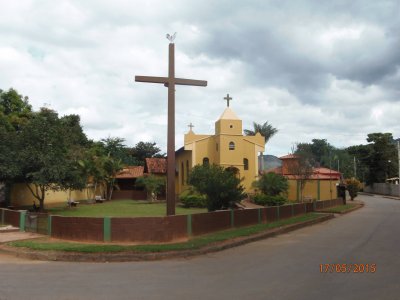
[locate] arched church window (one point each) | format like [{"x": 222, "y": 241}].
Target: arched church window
[
  {"x": 245, "y": 163},
  {"x": 206, "y": 161},
  {"x": 231, "y": 146}
]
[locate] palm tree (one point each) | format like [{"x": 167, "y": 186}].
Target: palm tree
[{"x": 266, "y": 130}]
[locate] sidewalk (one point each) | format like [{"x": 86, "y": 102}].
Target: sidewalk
[{"x": 9, "y": 236}]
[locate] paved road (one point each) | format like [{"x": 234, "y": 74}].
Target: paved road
[{"x": 284, "y": 267}]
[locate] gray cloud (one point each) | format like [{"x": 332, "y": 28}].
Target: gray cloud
[{"x": 314, "y": 69}]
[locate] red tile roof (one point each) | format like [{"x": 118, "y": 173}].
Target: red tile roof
[
  {"x": 131, "y": 172},
  {"x": 288, "y": 156},
  {"x": 156, "y": 165},
  {"x": 318, "y": 173}
]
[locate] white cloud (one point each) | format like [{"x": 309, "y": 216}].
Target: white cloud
[{"x": 327, "y": 71}]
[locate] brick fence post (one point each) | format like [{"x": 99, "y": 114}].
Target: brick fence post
[
  {"x": 259, "y": 215},
  {"x": 189, "y": 225},
  {"x": 107, "y": 229},
  {"x": 22, "y": 215},
  {"x": 49, "y": 220}
]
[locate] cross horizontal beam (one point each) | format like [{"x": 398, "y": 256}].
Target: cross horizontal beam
[{"x": 166, "y": 80}]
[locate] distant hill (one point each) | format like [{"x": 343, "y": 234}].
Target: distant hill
[{"x": 270, "y": 162}]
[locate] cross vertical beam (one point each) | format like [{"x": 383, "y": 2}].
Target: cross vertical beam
[
  {"x": 171, "y": 134},
  {"x": 170, "y": 82}
]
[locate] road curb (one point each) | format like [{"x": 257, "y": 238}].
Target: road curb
[{"x": 137, "y": 256}]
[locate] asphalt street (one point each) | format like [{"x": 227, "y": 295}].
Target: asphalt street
[{"x": 283, "y": 267}]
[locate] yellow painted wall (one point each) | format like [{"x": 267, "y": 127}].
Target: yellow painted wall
[
  {"x": 205, "y": 148},
  {"x": 325, "y": 191},
  {"x": 185, "y": 158},
  {"x": 311, "y": 190},
  {"x": 22, "y": 196},
  {"x": 292, "y": 193}
]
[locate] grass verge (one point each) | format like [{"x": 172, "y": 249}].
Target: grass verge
[
  {"x": 341, "y": 208},
  {"x": 194, "y": 243}
]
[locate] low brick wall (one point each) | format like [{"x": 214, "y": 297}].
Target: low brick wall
[
  {"x": 329, "y": 203},
  {"x": 149, "y": 229},
  {"x": 309, "y": 207},
  {"x": 11, "y": 217},
  {"x": 210, "y": 222},
  {"x": 245, "y": 217},
  {"x": 166, "y": 229},
  {"x": 77, "y": 228},
  {"x": 285, "y": 211},
  {"x": 271, "y": 214},
  {"x": 299, "y": 209}
]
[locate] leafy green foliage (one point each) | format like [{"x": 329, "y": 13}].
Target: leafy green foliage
[
  {"x": 266, "y": 130},
  {"x": 193, "y": 199},
  {"x": 272, "y": 184},
  {"x": 267, "y": 200},
  {"x": 220, "y": 185},
  {"x": 143, "y": 150},
  {"x": 15, "y": 112},
  {"x": 353, "y": 186},
  {"x": 376, "y": 161},
  {"x": 48, "y": 148},
  {"x": 153, "y": 185}
]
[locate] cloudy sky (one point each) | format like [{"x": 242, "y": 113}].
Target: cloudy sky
[{"x": 313, "y": 69}]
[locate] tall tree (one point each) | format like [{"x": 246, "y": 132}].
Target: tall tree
[
  {"x": 15, "y": 113},
  {"x": 266, "y": 130},
  {"x": 143, "y": 150},
  {"x": 383, "y": 157},
  {"x": 45, "y": 158}
]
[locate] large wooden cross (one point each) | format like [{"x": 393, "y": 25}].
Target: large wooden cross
[{"x": 170, "y": 82}]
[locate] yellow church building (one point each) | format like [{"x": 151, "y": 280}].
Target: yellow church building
[{"x": 227, "y": 147}]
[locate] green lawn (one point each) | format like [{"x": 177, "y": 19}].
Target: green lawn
[
  {"x": 341, "y": 208},
  {"x": 194, "y": 243},
  {"x": 121, "y": 208}
]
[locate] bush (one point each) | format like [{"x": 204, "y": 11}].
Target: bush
[
  {"x": 193, "y": 200},
  {"x": 353, "y": 186},
  {"x": 265, "y": 200},
  {"x": 272, "y": 184},
  {"x": 220, "y": 185}
]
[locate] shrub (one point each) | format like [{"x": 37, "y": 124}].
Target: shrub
[
  {"x": 266, "y": 200},
  {"x": 193, "y": 200},
  {"x": 272, "y": 184},
  {"x": 353, "y": 186},
  {"x": 153, "y": 185},
  {"x": 221, "y": 187}
]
